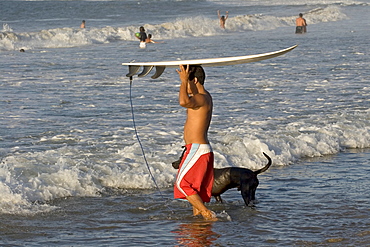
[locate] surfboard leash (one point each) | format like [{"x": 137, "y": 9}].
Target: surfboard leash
[
  {"x": 141, "y": 146},
  {"x": 138, "y": 139}
]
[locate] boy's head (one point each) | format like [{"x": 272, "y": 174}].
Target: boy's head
[{"x": 198, "y": 72}]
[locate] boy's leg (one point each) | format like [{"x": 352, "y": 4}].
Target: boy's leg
[{"x": 200, "y": 208}]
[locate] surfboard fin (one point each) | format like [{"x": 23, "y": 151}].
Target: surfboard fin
[
  {"x": 132, "y": 70},
  {"x": 145, "y": 71},
  {"x": 158, "y": 71}
]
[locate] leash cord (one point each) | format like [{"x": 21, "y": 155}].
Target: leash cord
[{"x": 138, "y": 139}]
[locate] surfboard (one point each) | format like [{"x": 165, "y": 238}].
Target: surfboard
[{"x": 134, "y": 67}]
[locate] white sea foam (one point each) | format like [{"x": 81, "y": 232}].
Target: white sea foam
[
  {"x": 287, "y": 2},
  {"x": 48, "y": 175}
]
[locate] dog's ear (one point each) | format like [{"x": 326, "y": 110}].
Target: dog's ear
[{"x": 176, "y": 164}]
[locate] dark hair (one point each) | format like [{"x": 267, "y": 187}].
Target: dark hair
[
  {"x": 149, "y": 36},
  {"x": 142, "y": 29},
  {"x": 300, "y": 14},
  {"x": 198, "y": 72}
]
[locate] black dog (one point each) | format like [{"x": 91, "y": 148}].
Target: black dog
[{"x": 234, "y": 177}]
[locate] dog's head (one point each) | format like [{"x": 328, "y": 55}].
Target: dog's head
[
  {"x": 250, "y": 182},
  {"x": 248, "y": 188}
]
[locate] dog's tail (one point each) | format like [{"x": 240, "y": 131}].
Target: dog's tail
[{"x": 266, "y": 166}]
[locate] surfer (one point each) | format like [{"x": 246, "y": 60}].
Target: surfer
[
  {"x": 142, "y": 36},
  {"x": 222, "y": 18},
  {"x": 194, "y": 179},
  {"x": 301, "y": 24},
  {"x": 83, "y": 24}
]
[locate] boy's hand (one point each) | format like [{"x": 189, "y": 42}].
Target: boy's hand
[{"x": 183, "y": 73}]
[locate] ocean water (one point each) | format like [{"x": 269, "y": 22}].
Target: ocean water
[{"x": 72, "y": 172}]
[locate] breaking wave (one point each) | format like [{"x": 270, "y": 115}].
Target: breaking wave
[{"x": 198, "y": 26}]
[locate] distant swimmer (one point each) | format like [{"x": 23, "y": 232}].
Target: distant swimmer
[
  {"x": 149, "y": 39},
  {"x": 222, "y": 18},
  {"x": 142, "y": 37},
  {"x": 22, "y": 50},
  {"x": 301, "y": 24},
  {"x": 83, "y": 24}
]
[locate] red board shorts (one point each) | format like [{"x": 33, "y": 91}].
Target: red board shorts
[{"x": 195, "y": 174}]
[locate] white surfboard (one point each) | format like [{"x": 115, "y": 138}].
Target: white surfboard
[{"x": 209, "y": 62}]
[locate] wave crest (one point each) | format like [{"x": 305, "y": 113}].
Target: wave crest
[{"x": 198, "y": 26}]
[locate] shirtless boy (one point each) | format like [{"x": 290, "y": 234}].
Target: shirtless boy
[
  {"x": 300, "y": 24},
  {"x": 195, "y": 176}
]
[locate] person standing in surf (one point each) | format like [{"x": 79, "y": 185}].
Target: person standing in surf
[
  {"x": 222, "y": 18},
  {"x": 194, "y": 179},
  {"x": 83, "y": 24},
  {"x": 301, "y": 24},
  {"x": 142, "y": 36}
]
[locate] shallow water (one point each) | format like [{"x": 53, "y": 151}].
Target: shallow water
[
  {"x": 317, "y": 202},
  {"x": 72, "y": 170}
]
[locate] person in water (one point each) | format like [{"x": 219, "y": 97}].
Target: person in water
[
  {"x": 83, "y": 24},
  {"x": 149, "y": 39},
  {"x": 222, "y": 18},
  {"x": 142, "y": 37},
  {"x": 301, "y": 24},
  {"x": 194, "y": 179}
]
